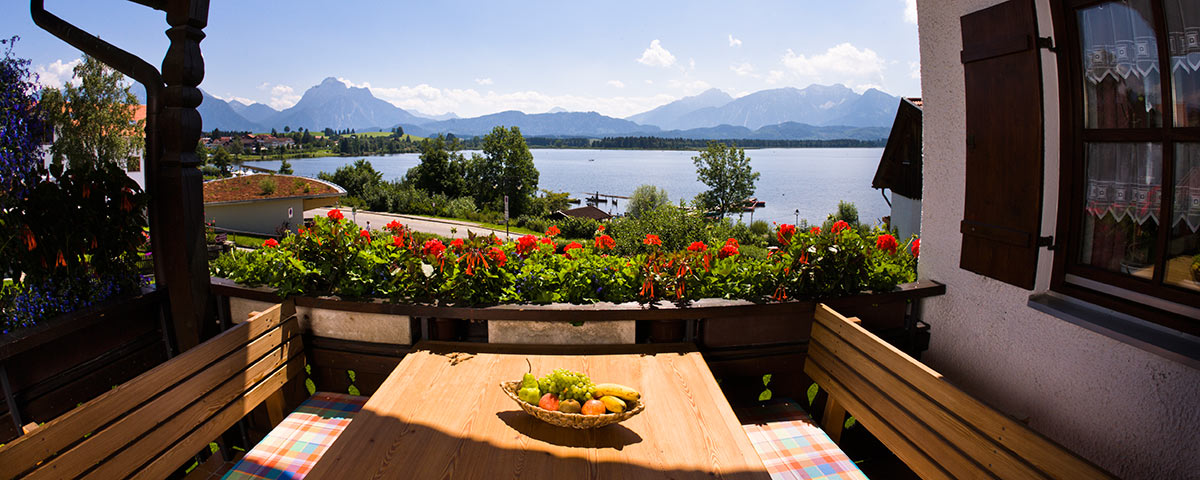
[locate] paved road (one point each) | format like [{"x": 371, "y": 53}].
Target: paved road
[{"x": 438, "y": 226}]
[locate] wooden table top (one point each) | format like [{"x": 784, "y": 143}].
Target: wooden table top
[{"x": 442, "y": 414}]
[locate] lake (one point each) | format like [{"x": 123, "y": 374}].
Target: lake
[{"x": 810, "y": 180}]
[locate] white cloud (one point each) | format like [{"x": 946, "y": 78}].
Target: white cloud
[
  {"x": 656, "y": 56},
  {"x": 616, "y": 83},
  {"x": 470, "y": 102},
  {"x": 734, "y": 42},
  {"x": 227, "y": 98},
  {"x": 483, "y": 81},
  {"x": 689, "y": 87},
  {"x": 775, "y": 76},
  {"x": 56, "y": 74},
  {"x": 691, "y": 64},
  {"x": 843, "y": 63},
  {"x": 914, "y": 70},
  {"x": 744, "y": 70},
  {"x": 354, "y": 85},
  {"x": 910, "y": 11},
  {"x": 859, "y": 89},
  {"x": 283, "y": 96}
]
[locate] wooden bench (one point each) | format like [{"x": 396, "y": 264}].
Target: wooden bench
[
  {"x": 935, "y": 428},
  {"x": 152, "y": 425}
]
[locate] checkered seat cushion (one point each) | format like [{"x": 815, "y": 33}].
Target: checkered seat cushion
[
  {"x": 295, "y": 445},
  {"x": 793, "y": 447}
]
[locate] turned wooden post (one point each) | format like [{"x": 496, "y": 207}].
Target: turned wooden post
[{"x": 180, "y": 184}]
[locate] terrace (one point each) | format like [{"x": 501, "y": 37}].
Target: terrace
[{"x": 201, "y": 369}]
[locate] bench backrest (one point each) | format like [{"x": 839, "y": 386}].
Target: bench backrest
[
  {"x": 149, "y": 426},
  {"x": 935, "y": 428}
]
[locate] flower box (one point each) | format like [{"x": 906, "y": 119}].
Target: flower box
[{"x": 562, "y": 332}]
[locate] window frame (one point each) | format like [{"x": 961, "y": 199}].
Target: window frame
[{"x": 1168, "y": 305}]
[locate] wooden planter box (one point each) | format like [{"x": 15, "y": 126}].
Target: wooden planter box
[{"x": 49, "y": 369}]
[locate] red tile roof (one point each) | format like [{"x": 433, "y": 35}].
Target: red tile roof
[{"x": 249, "y": 188}]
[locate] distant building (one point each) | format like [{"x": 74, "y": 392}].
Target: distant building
[
  {"x": 582, "y": 212},
  {"x": 265, "y": 204},
  {"x": 900, "y": 169},
  {"x": 134, "y": 166}
]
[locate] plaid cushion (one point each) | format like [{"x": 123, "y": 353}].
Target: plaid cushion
[
  {"x": 295, "y": 445},
  {"x": 793, "y": 447}
]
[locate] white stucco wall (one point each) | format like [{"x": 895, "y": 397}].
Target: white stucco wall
[
  {"x": 261, "y": 217},
  {"x": 1130, "y": 411},
  {"x": 906, "y": 216}
]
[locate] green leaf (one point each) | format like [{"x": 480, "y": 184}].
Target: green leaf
[
  {"x": 812, "y": 393},
  {"x": 850, "y": 422},
  {"x": 765, "y": 395},
  {"x": 766, "y": 379},
  {"x": 308, "y": 369},
  {"x": 213, "y": 447},
  {"x": 350, "y": 373},
  {"x": 310, "y": 386},
  {"x": 353, "y": 390}
]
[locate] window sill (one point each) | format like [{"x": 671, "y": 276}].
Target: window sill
[{"x": 1164, "y": 342}]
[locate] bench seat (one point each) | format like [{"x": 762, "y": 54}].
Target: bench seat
[
  {"x": 793, "y": 447},
  {"x": 291, "y": 449}
]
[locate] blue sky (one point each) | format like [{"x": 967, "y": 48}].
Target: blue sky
[{"x": 472, "y": 58}]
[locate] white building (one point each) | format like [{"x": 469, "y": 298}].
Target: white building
[
  {"x": 265, "y": 204},
  {"x": 1093, "y": 342}
]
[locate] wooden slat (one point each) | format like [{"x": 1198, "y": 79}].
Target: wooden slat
[
  {"x": 833, "y": 352},
  {"x": 202, "y": 410},
  {"x": 171, "y": 459},
  {"x": 25, "y": 452},
  {"x": 1043, "y": 454},
  {"x": 128, "y": 428},
  {"x": 903, "y": 447},
  {"x": 928, "y": 440}
]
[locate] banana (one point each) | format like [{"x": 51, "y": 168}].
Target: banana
[
  {"x": 613, "y": 404},
  {"x": 619, "y": 391}
]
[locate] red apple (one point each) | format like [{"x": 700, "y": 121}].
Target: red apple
[
  {"x": 593, "y": 407},
  {"x": 549, "y": 401}
]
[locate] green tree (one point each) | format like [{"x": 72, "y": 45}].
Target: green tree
[
  {"x": 646, "y": 198},
  {"x": 222, "y": 160},
  {"x": 505, "y": 168},
  {"x": 727, "y": 173},
  {"x": 286, "y": 129},
  {"x": 201, "y": 153},
  {"x": 357, "y": 179},
  {"x": 285, "y": 167},
  {"x": 441, "y": 169},
  {"x": 94, "y": 120}
]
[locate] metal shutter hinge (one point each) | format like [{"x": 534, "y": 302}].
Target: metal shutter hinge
[
  {"x": 1046, "y": 43},
  {"x": 1047, "y": 242}
]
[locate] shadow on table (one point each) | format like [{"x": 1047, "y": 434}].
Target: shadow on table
[{"x": 615, "y": 436}]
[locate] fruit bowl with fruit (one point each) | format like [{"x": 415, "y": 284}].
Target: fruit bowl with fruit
[{"x": 570, "y": 399}]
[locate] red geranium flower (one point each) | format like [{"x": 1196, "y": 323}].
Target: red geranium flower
[
  {"x": 552, "y": 231},
  {"x": 397, "y": 241},
  {"x": 729, "y": 250},
  {"x": 526, "y": 244},
  {"x": 734, "y": 242},
  {"x": 570, "y": 246},
  {"x": 27, "y": 235},
  {"x": 697, "y": 247},
  {"x": 433, "y": 247},
  {"x": 497, "y": 255},
  {"x": 605, "y": 242},
  {"x": 335, "y": 215},
  {"x": 300, "y": 231},
  {"x": 887, "y": 243},
  {"x": 365, "y": 234},
  {"x": 546, "y": 241},
  {"x": 394, "y": 226},
  {"x": 916, "y": 247},
  {"x": 839, "y": 226},
  {"x": 784, "y": 233},
  {"x": 652, "y": 239},
  {"x": 497, "y": 240},
  {"x": 270, "y": 243},
  {"x": 456, "y": 244},
  {"x": 600, "y": 228},
  {"x": 814, "y": 231}
]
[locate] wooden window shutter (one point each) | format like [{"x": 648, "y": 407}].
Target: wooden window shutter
[{"x": 1003, "y": 206}]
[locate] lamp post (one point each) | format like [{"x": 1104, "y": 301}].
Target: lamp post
[{"x": 797, "y": 216}]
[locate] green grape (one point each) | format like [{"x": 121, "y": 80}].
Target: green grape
[{"x": 567, "y": 385}]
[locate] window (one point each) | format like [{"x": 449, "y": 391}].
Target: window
[{"x": 1129, "y": 233}]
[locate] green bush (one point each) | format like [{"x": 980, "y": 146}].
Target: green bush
[
  {"x": 573, "y": 227},
  {"x": 462, "y": 207},
  {"x": 759, "y": 228}
]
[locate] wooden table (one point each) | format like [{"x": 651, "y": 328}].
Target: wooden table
[{"x": 442, "y": 414}]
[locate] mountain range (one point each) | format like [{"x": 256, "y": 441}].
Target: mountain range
[{"x": 815, "y": 112}]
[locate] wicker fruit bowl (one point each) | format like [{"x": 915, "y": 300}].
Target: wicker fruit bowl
[{"x": 572, "y": 420}]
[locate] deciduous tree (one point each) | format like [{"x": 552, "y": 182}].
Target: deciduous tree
[
  {"x": 505, "y": 168},
  {"x": 727, "y": 173},
  {"x": 646, "y": 198},
  {"x": 94, "y": 120}
]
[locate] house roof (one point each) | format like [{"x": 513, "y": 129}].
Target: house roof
[
  {"x": 900, "y": 165},
  {"x": 587, "y": 211},
  {"x": 249, "y": 188}
]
